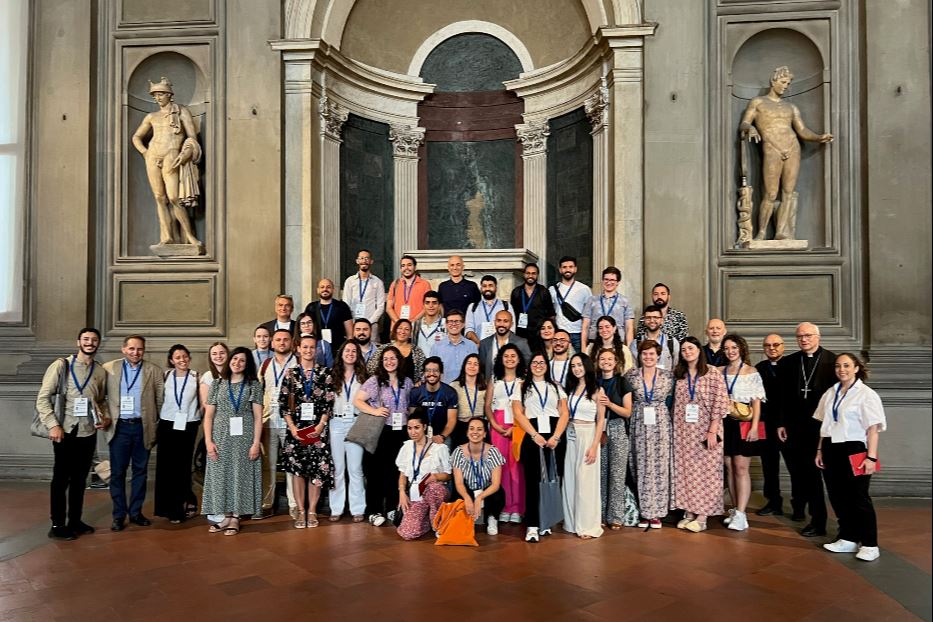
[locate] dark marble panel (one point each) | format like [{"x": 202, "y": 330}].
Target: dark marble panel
[
  {"x": 471, "y": 62},
  {"x": 570, "y": 194},
  {"x": 471, "y": 194},
  {"x": 367, "y": 209}
]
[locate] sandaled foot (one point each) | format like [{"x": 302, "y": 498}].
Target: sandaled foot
[
  {"x": 615, "y": 526},
  {"x": 219, "y": 526},
  {"x": 359, "y": 518},
  {"x": 334, "y": 518},
  {"x": 312, "y": 520},
  {"x": 233, "y": 528},
  {"x": 300, "y": 520}
]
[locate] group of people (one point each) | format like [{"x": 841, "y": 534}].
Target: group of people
[{"x": 480, "y": 398}]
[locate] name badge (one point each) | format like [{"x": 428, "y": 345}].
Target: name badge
[
  {"x": 359, "y": 310},
  {"x": 327, "y": 335},
  {"x": 236, "y": 426},
  {"x": 544, "y": 424},
  {"x": 81, "y": 407},
  {"x": 396, "y": 421},
  {"x": 838, "y": 432},
  {"x": 507, "y": 413},
  {"x": 661, "y": 365},
  {"x": 405, "y": 314},
  {"x": 274, "y": 407},
  {"x": 571, "y": 433},
  {"x": 650, "y": 415},
  {"x": 414, "y": 494},
  {"x": 181, "y": 421},
  {"x": 348, "y": 409},
  {"x": 692, "y": 413},
  {"x": 487, "y": 329},
  {"x": 307, "y": 412},
  {"x": 478, "y": 519},
  {"x": 127, "y": 405},
  {"x": 523, "y": 320}
]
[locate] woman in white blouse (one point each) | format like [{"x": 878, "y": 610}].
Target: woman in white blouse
[
  {"x": 424, "y": 470},
  {"x": 582, "y": 511},
  {"x": 540, "y": 413},
  {"x": 853, "y": 418},
  {"x": 508, "y": 371},
  {"x": 740, "y": 439},
  {"x": 349, "y": 374},
  {"x": 175, "y": 436}
]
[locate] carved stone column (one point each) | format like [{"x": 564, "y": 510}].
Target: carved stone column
[
  {"x": 533, "y": 137},
  {"x": 597, "y": 110},
  {"x": 332, "y": 119},
  {"x": 406, "y": 139}
]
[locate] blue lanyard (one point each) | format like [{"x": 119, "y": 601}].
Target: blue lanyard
[
  {"x": 129, "y": 387},
  {"x": 81, "y": 387},
  {"x": 472, "y": 405},
  {"x": 437, "y": 327},
  {"x": 236, "y": 402},
  {"x": 734, "y": 379},
  {"x": 547, "y": 389},
  {"x": 348, "y": 388},
  {"x": 363, "y": 286},
  {"x": 602, "y": 304},
  {"x": 557, "y": 289},
  {"x": 509, "y": 390},
  {"x": 259, "y": 355},
  {"x": 179, "y": 396},
  {"x": 477, "y": 468},
  {"x": 563, "y": 373},
  {"x": 372, "y": 350},
  {"x": 649, "y": 396},
  {"x": 573, "y": 406},
  {"x": 526, "y": 301},
  {"x": 837, "y": 401},
  {"x": 489, "y": 311},
  {"x": 692, "y": 386},
  {"x": 608, "y": 386},
  {"x": 277, "y": 376},
  {"x": 307, "y": 383},
  {"x": 416, "y": 470},
  {"x": 396, "y": 394},
  {"x": 433, "y": 398},
  {"x": 325, "y": 319}
]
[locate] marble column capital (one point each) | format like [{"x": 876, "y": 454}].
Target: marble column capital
[
  {"x": 596, "y": 107},
  {"x": 406, "y": 139},
  {"x": 333, "y": 116},
  {"x": 533, "y": 137}
]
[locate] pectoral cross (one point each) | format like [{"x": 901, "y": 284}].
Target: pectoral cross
[{"x": 806, "y": 391}]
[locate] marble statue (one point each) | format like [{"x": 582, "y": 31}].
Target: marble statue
[
  {"x": 171, "y": 167},
  {"x": 778, "y": 126}
]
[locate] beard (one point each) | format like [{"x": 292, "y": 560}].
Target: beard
[
  {"x": 489, "y": 295},
  {"x": 659, "y": 303},
  {"x": 363, "y": 341},
  {"x": 88, "y": 350},
  {"x": 530, "y": 281}
]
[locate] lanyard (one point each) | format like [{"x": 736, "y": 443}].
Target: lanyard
[
  {"x": 608, "y": 386},
  {"x": 734, "y": 379},
  {"x": 406, "y": 290},
  {"x": 488, "y": 311},
  {"x": 277, "y": 376},
  {"x": 372, "y": 350},
  {"x": 472, "y": 404},
  {"x": 129, "y": 387},
  {"x": 837, "y": 401},
  {"x": 81, "y": 387},
  {"x": 325, "y": 319},
  {"x": 547, "y": 389},
  {"x": 573, "y": 406},
  {"x": 437, "y": 327},
  {"x": 602, "y": 304},
  {"x": 526, "y": 301},
  {"x": 433, "y": 399},
  {"x": 563, "y": 372},
  {"x": 692, "y": 386},
  {"x": 263, "y": 356},
  {"x": 363, "y": 286},
  {"x": 179, "y": 396},
  {"x": 416, "y": 470},
  {"x": 307, "y": 382},
  {"x": 348, "y": 387},
  {"x": 509, "y": 390},
  {"x": 649, "y": 396},
  {"x": 557, "y": 289},
  {"x": 477, "y": 467},
  {"x": 236, "y": 402},
  {"x": 396, "y": 394}
]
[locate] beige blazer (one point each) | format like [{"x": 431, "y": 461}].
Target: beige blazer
[{"x": 150, "y": 403}]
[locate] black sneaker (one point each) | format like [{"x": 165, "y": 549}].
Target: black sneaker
[
  {"x": 80, "y": 528},
  {"x": 62, "y": 533}
]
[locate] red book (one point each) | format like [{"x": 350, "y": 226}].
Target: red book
[
  {"x": 858, "y": 463},
  {"x": 746, "y": 426},
  {"x": 307, "y": 436}
]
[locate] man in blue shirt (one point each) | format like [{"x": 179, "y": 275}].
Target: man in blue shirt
[
  {"x": 454, "y": 347},
  {"x": 457, "y": 292},
  {"x": 438, "y": 399}
]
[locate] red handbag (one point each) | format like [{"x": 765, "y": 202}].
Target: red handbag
[{"x": 307, "y": 436}]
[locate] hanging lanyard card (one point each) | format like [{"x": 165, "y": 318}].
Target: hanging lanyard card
[
  {"x": 692, "y": 413},
  {"x": 650, "y": 415}
]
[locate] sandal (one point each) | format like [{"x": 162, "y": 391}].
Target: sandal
[
  {"x": 233, "y": 528},
  {"x": 615, "y": 526},
  {"x": 191, "y": 510},
  {"x": 300, "y": 521},
  {"x": 359, "y": 518},
  {"x": 335, "y": 518},
  {"x": 218, "y": 527},
  {"x": 312, "y": 520}
]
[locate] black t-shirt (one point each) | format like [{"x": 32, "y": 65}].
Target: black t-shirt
[
  {"x": 539, "y": 307},
  {"x": 458, "y": 295},
  {"x": 330, "y": 316},
  {"x": 616, "y": 388},
  {"x": 436, "y": 405}
]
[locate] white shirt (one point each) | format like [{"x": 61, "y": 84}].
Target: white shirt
[
  {"x": 429, "y": 334},
  {"x": 501, "y": 400},
  {"x": 274, "y": 372},
  {"x": 175, "y": 388},
  {"x": 374, "y": 300},
  {"x": 476, "y": 317},
  {"x": 341, "y": 401},
  {"x": 577, "y": 295},
  {"x": 535, "y": 412},
  {"x": 437, "y": 460},
  {"x": 586, "y": 408},
  {"x": 858, "y": 409},
  {"x": 559, "y": 370}
]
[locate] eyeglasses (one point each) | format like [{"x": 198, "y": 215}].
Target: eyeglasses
[
  {"x": 652, "y": 317},
  {"x": 455, "y": 322},
  {"x": 539, "y": 362},
  {"x": 605, "y": 280},
  {"x": 560, "y": 341},
  {"x": 773, "y": 345}
]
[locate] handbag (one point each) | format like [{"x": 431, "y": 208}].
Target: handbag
[
  {"x": 740, "y": 411},
  {"x": 39, "y": 429},
  {"x": 453, "y": 525},
  {"x": 367, "y": 429},
  {"x": 551, "y": 505}
]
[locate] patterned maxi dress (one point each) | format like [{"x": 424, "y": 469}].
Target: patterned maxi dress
[
  {"x": 619, "y": 506},
  {"x": 312, "y": 462},
  {"x": 698, "y": 481},
  {"x": 651, "y": 444},
  {"x": 233, "y": 482}
]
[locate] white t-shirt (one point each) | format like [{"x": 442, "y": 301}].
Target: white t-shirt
[
  {"x": 585, "y": 407},
  {"x": 541, "y": 404},
  {"x": 272, "y": 380},
  {"x": 343, "y": 405},
  {"x": 576, "y": 295},
  {"x": 185, "y": 389}
]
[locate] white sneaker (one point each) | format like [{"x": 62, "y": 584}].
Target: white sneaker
[
  {"x": 868, "y": 553},
  {"x": 516, "y": 518},
  {"x": 390, "y": 516},
  {"x": 545, "y": 532},
  {"x": 377, "y": 520},
  {"x": 531, "y": 535},
  {"x": 739, "y": 522},
  {"x": 841, "y": 546},
  {"x": 728, "y": 519},
  {"x": 492, "y": 526},
  {"x": 504, "y": 517}
]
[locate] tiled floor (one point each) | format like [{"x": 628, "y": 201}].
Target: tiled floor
[{"x": 357, "y": 572}]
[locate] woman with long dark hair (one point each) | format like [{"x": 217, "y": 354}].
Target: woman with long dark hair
[
  {"x": 470, "y": 386},
  {"x": 349, "y": 374},
  {"x": 508, "y": 371},
  {"x": 607, "y": 337},
  {"x": 618, "y": 503},
  {"x": 582, "y": 463}
]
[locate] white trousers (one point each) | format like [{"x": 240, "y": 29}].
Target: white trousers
[{"x": 348, "y": 460}]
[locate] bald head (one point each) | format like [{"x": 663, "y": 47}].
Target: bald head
[
  {"x": 773, "y": 345},
  {"x": 715, "y": 331},
  {"x": 503, "y": 322},
  {"x": 808, "y": 337},
  {"x": 325, "y": 289},
  {"x": 455, "y": 266}
]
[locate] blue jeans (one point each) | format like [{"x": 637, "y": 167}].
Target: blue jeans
[
  {"x": 128, "y": 445},
  {"x": 575, "y": 341}
]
